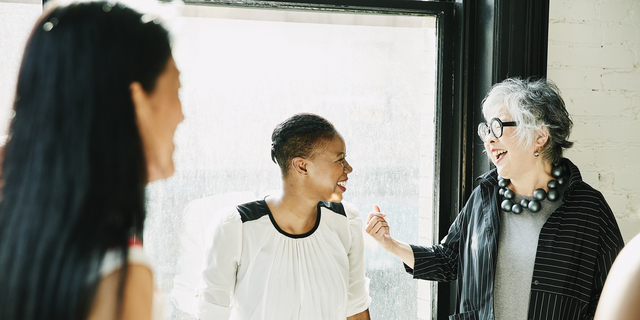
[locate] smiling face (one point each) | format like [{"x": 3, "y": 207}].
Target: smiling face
[
  {"x": 511, "y": 159},
  {"x": 328, "y": 170}
]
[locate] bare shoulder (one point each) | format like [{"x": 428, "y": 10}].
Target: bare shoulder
[
  {"x": 621, "y": 292},
  {"x": 137, "y": 299}
]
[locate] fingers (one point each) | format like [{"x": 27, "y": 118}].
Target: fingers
[
  {"x": 375, "y": 224},
  {"x": 374, "y": 214},
  {"x": 380, "y": 230}
]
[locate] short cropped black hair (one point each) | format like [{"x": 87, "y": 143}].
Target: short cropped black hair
[{"x": 299, "y": 136}]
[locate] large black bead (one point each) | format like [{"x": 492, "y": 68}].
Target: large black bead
[
  {"x": 552, "y": 184},
  {"x": 557, "y": 171},
  {"x": 553, "y": 195},
  {"x": 539, "y": 194},
  {"x": 503, "y": 183},
  {"x": 501, "y": 191},
  {"x": 524, "y": 203},
  {"x": 509, "y": 194},
  {"x": 517, "y": 209},
  {"x": 561, "y": 181},
  {"x": 534, "y": 206},
  {"x": 506, "y": 205}
]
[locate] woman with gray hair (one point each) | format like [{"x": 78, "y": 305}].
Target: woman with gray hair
[{"x": 534, "y": 241}]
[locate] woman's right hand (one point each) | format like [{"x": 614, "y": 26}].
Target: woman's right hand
[{"x": 378, "y": 228}]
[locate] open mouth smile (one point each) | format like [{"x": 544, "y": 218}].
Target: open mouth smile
[
  {"x": 342, "y": 185},
  {"x": 498, "y": 154}
]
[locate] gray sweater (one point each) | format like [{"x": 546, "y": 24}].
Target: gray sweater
[{"x": 517, "y": 247}]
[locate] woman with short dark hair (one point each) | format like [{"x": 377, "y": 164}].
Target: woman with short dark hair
[
  {"x": 297, "y": 255},
  {"x": 534, "y": 241},
  {"x": 96, "y": 108}
]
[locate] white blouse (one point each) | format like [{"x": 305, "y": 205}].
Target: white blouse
[
  {"x": 113, "y": 261},
  {"x": 254, "y": 270}
]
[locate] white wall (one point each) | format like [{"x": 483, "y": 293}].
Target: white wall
[{"x": 594, "y": 57}]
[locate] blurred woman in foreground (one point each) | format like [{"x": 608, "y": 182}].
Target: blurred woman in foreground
[
  {"x": 621, "y": 293},
  {"x": 95, "y": 112}
]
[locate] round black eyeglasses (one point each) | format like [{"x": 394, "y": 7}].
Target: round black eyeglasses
[{"x": 495, "y": 126}]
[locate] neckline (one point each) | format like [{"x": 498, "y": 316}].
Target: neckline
[
  {"x": 561, "y": 189},
  {"x": 574, "y": 177},
  {"x": 289, "y": 235}
]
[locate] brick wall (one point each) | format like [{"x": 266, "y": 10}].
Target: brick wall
[{"x": 594, "y": 57}]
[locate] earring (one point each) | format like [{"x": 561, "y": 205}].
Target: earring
[{"x": 536, "y": 154}]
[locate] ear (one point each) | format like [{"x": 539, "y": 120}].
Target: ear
[
  {"x": 299, "y": 165},
  {"x": 542, "y": 137},
  {"x": 139, "y": 98}
]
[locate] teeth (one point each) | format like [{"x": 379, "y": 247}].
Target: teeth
[
  {"x": 498, "y": 152},
  {"x": 342, "y": 183}
]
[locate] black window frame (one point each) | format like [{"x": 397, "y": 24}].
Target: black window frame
[
  {"x": 448, "y": 115},
  {"x": 480, "y": 43}
]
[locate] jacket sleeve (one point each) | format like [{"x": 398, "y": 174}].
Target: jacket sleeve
[
  {"x": 439, "y": 262},
  {"x": 359, "y": 299},
  {"x": 610, "y": 244},
  {"x": 223, "y": 248}
]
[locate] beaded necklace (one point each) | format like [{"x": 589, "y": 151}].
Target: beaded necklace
[{"x": 539, "y": 194}]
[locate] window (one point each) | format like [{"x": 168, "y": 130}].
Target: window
[
  {"x": 16, "y": 21},
  {"x": 474, "y": 45},
  {"x": 373, "y": 72},
  {"x": 381, "y": 74}
]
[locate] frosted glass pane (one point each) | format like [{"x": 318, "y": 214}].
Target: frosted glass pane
[
  {"x": 16, "y": 22},
  {"x": 245, "y": 71}
]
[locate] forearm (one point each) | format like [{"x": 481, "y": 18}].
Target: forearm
[{"x": 403, "y": 251}]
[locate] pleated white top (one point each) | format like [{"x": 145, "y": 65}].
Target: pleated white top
[{"x": 254, "y": 270}]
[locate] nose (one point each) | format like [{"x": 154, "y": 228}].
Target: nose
[{"x": 347, "y": 167}]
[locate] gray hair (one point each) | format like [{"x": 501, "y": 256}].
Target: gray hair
[{"x": 535, "y": 105}]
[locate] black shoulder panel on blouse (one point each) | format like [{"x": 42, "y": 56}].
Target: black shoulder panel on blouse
[
  {"x": 253, "y": 210},
  {"x": 336, "y": 207}
]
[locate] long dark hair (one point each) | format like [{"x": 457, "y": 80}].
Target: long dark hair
[{"x": 74, "y": 169}]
